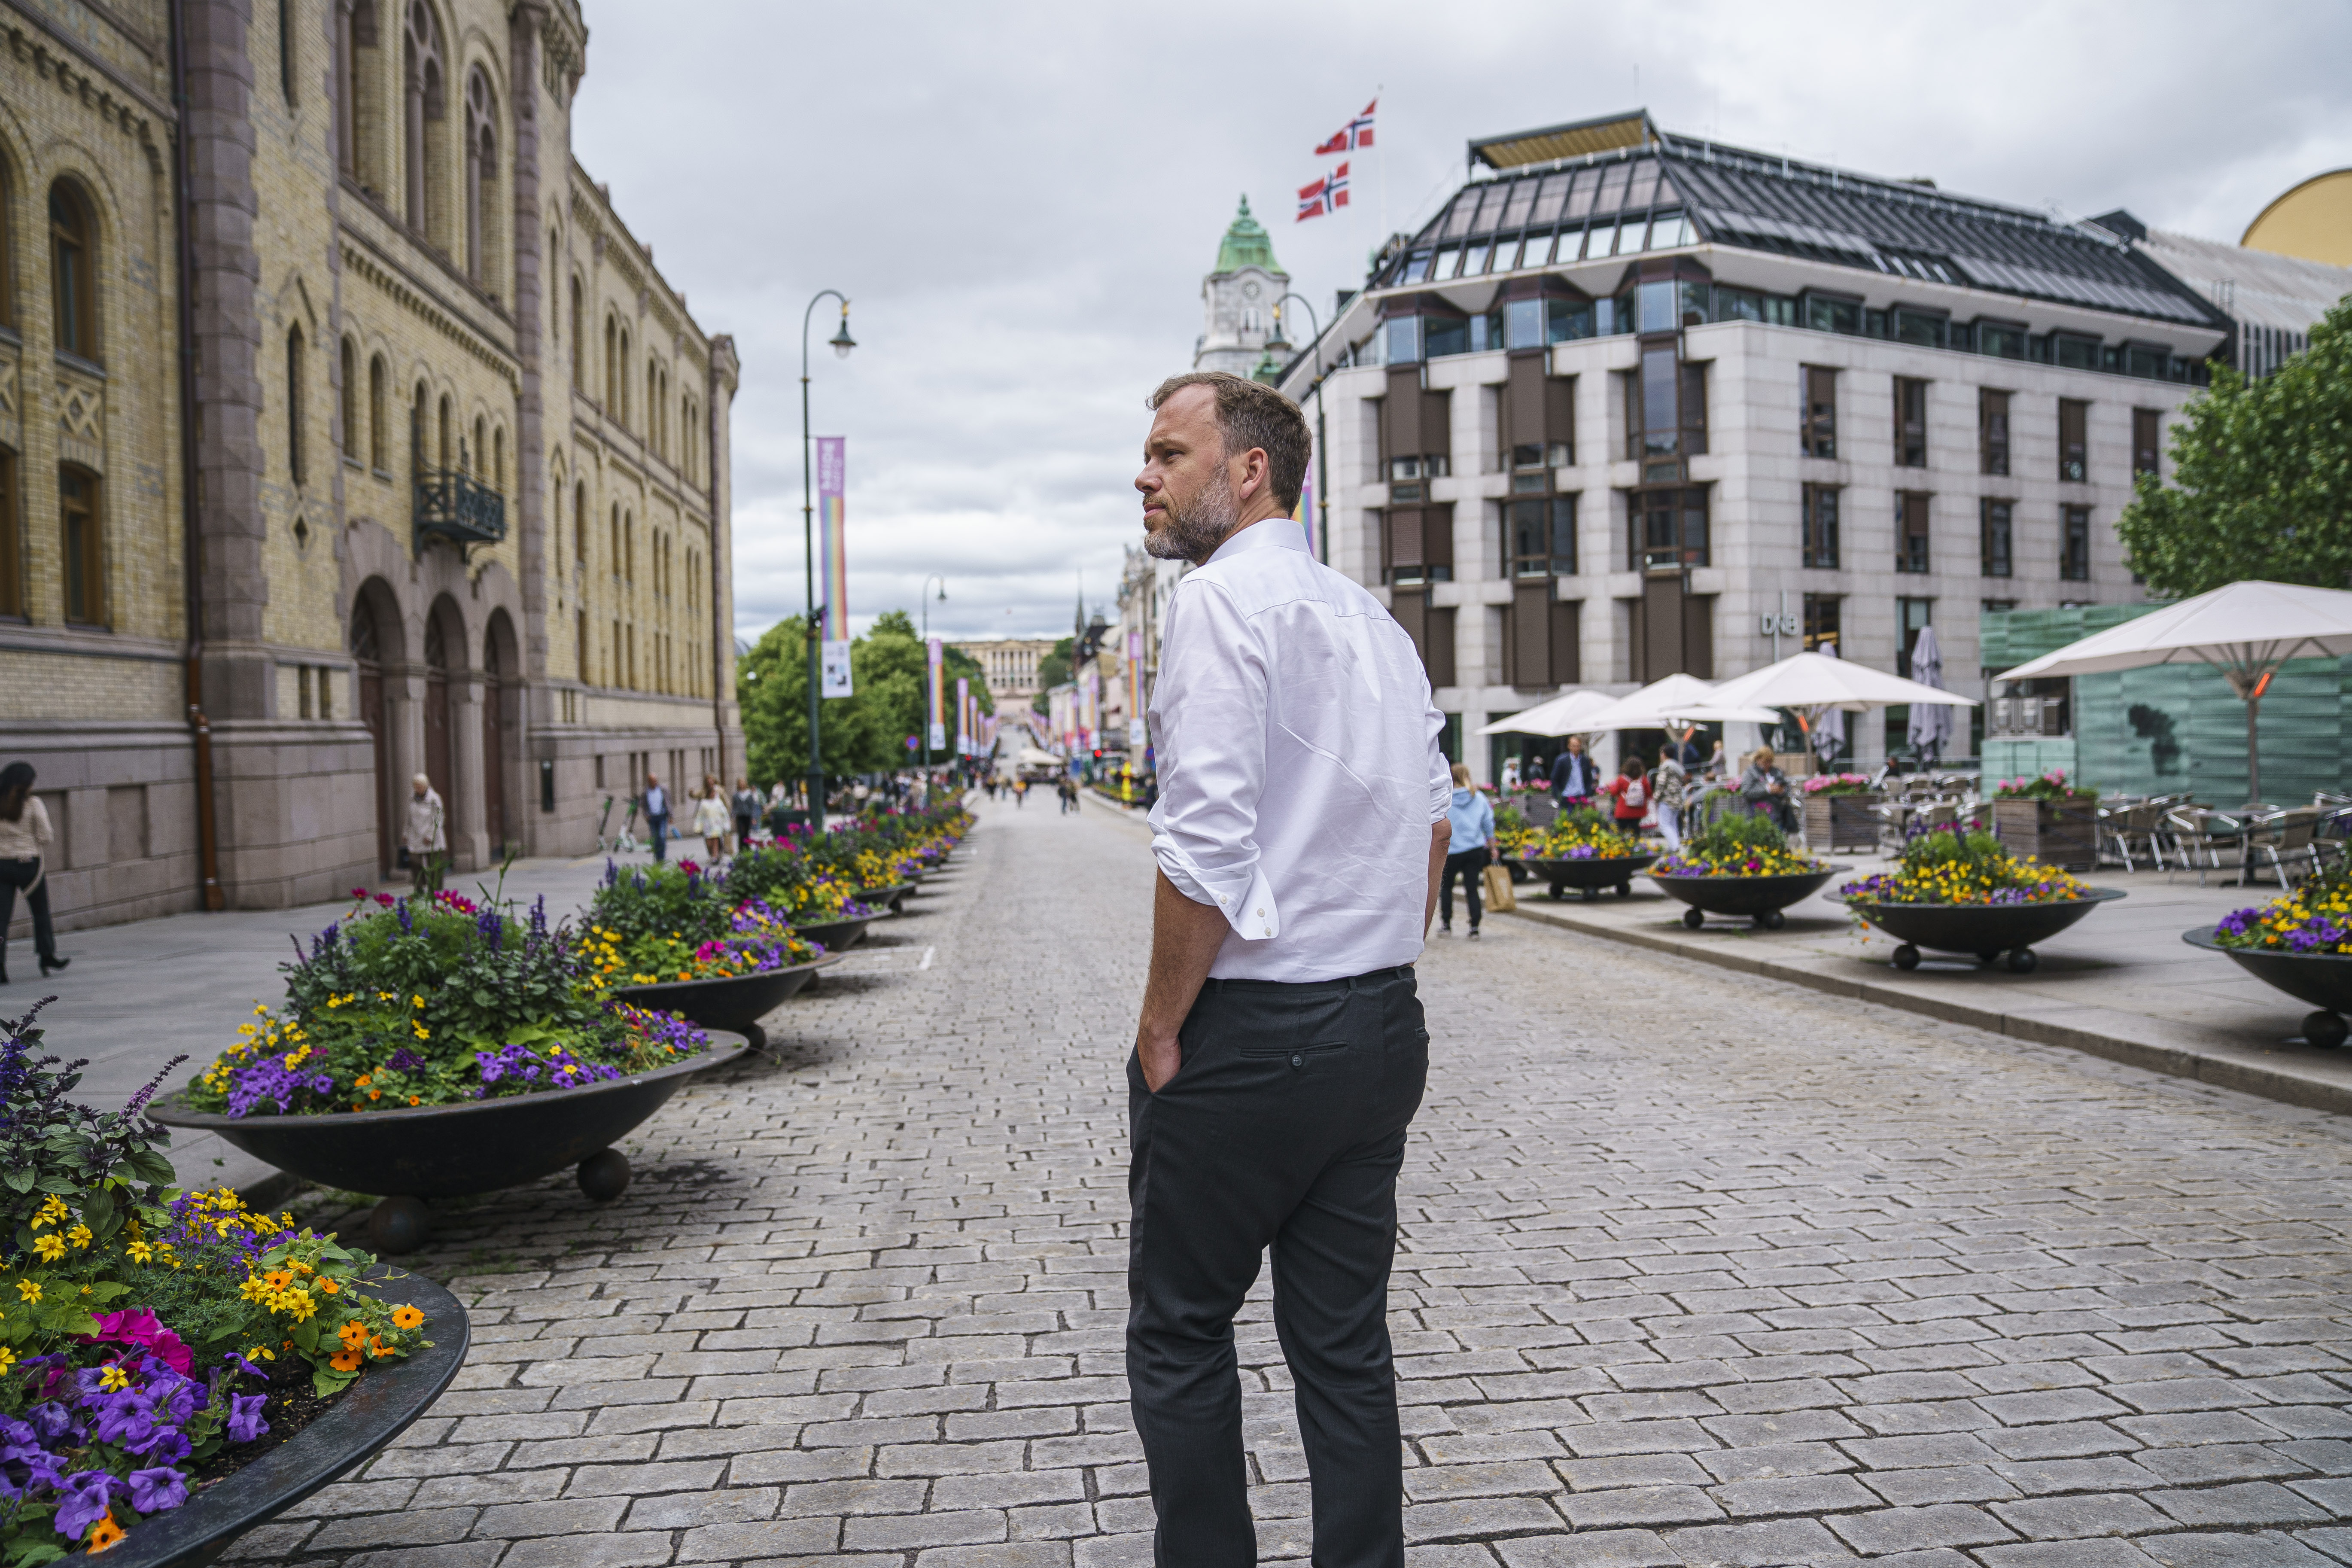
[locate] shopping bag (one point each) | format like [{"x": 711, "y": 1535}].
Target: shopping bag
[{"x": 1498, "y": 890}]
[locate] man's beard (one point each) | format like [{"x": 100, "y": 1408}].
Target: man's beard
[{"x": 1192, "y": 533}]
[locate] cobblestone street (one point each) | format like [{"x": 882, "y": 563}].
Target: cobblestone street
[{"x": 1695, "y": 1268}]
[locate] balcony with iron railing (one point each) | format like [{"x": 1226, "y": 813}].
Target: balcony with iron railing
[{"x": 452, "y": 504}]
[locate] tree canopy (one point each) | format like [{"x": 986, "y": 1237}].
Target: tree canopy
[
  {"x": 2262, "y": 478},
  {"x": 1051, "y": 670},
  {"x": 864, "y": 733}
]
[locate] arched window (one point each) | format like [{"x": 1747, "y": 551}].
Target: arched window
[
  {"x": 7, "y": 248},
  {"x": 653, "y": 405},
  {"x": 73, "y": 271},
  {"x": 358, "y": 93},
  {"x": 629, "y": 545},
  {"x": 621, "y": 400},
  {"x": 477, "y": 461},
  {"x": 11, "y": 554},
  {"x": 296, "y": 465},
  {"x": 611, "y": 364},
  {"x": 443, "y": 454},
  {"x": 378, "y": 374},
  {"x": 482, "y": 256},
  {"x": 617, "y": 538},
  {"x": 417, "y": 464},
  {"x": 347, "y": 400},
  {"x": 82, "y": 518},
  {"x": 580, "y": 530},
  {"x": 425, "y": 109},
  {"x": 499, "y": 463},
  {"x": 579, "y": 350}
]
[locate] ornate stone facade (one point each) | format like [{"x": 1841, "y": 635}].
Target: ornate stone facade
[
  {"x": 1237, "y": 299},
  {"x": 458, "y": 471}
]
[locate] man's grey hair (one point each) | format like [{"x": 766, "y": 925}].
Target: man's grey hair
[{"x": 1252, "y": 414}]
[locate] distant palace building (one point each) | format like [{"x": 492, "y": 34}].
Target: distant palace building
[
  {"x": 1633, "y": 404},
  {"x": 1010, "y": 664}
]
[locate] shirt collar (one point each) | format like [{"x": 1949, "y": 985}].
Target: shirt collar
[{"x": 1266, "y": 533}]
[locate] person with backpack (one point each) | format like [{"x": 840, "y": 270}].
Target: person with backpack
[{"x": 1630, "y": 791}]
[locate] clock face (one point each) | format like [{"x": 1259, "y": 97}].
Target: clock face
[{"x": 1249, "y": 290}]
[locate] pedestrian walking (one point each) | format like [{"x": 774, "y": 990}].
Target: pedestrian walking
[
  {"x": 656, "y": 802},
  {"x": 1020, "y": 792},
  {"x": 1066, "y": 794},
  {"x": 1575, "y": 779},
  {"x": 1668, "y": 786},
  {"x": 1281, "y": 1051},
  {"x": 746, "y": 802},
  {"x": 1469, "y": 849},
  {"x": 710, "y": 819},
  {"x": 425, "y": 836},
  {"x": 24, "y": 833},
  {"x": 1628, "y": 793}
]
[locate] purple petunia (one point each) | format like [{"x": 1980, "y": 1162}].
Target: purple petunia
[
  {"x": 245, "y": 1421},
  {"x": 154, "y": 1490},
  {"x": 83, "y": 1500}
]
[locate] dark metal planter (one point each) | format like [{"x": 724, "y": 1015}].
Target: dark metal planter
[
  {"x": 736, "y": 1003},
  {"x": 889, "y": 897},
  {"x": 1590, "y": 877},
  {"x": 452, "y": 1151},
  {"x": 2321, "y": 979},
  {"x": 838, "y": 936},
  {"x": 1757, "y": 899},
  {"x": 361, "y": 1421},
  {"x": 1985, "y": 929}
]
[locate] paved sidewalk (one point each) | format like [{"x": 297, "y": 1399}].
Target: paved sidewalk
[
  {"x": 2119, "y": 983},
  {"x": 1695, "y": 1267}
]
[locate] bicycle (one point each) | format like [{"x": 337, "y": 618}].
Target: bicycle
[{"x": 625, "y": 841}]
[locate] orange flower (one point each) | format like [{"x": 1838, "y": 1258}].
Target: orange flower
[
  {"x": 103, "y": 1534},
  {"x": 406, "y": 1317},
  {"x": 413, "y": 1099},
  {"x": 353, "y": 1334},
  {"x": 345, "y": 1360},
  {"x": 378, "y": 1349},
  {"x": 330, "y": 1288}
]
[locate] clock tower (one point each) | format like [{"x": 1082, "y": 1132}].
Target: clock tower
[{"x": 1237, "y": 299}]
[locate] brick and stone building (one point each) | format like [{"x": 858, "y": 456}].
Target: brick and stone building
[
  {"x": 452, "y": 454},
  {"x": 1635, "y": 403}
]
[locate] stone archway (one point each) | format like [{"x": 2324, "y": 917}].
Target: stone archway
[
  {"x": 445, "y": 651},
  {"x": 377, "y": 645},
  {"x": 502, "y": 698}
]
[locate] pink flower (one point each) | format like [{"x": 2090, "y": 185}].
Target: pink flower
[
  {"x": 139, "y": 1327},
  {"x": 386, "y": 900}
]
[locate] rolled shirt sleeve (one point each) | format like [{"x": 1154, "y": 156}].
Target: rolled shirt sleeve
[
  {"x": 1208, "y": 721},
  {"x": 1440, "y": 772}
]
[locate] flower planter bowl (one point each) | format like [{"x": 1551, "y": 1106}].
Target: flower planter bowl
[
  {"x": 1590, "y": 876},
  {"x": 2321, "y": 979},
  {"x": 1985, "y": 929},
  {"x": 736, "y": 1003},
  {"x": 363, "y": 1420},
  {"x": 2056, "y": 833},
  {"x": 890, "y": 897},
  {"x": 838, "y": 936},
  {"x": 452, "y": 1151},
  {"x": 1757, "y": 899},
  {"x": 1835, "y": 822}
]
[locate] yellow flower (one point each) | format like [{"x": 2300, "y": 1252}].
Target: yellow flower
[
  {"x": 112, "y": 1378},
  {"x": 50, "y": 1247},
  {"x": 7, "y": 1358},
  {"x": 79, "y": 1236},
  {"x": 30, "y": 1289}
]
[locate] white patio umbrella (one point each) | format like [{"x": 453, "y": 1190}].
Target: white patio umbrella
[
  {"x": 1931, "y": 723},
  {"x": 1656, "y": 704},
  {"x": 1570, "y": 713},
  {"x": 2245, "y": 631},
  {"x": 1810, "y": 680},
  {"x": 1825, "y": 727}
]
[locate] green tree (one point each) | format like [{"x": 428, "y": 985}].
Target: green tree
[
  {"x": 1051, "y": 670},
  {"x": 864, "y": 733},
  {"x": 2262, "y": 478}
]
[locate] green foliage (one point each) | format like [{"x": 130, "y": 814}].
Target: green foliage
[
  {"x": 109, "y": 1165},
  {"x": 2262, "y": 478},
  {"x": 864, "y": 733},
  {"x": 1051, "y": 671},
  {"x": 1733, "y": 837}
]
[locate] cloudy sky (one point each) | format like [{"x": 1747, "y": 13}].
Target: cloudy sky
[{"x": 1021, "y": 198}]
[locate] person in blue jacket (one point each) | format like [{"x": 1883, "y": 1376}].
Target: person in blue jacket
[{"x": 1467, "y": 852}]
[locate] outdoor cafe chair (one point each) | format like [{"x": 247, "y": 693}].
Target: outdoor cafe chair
[
  {"x": 2199, "y": 839},
  {"x": 2283, "y": 838}
]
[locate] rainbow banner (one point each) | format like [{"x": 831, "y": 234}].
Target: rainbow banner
[
  {"x": 963, "y": 715},
  {"x": 1135, "y": 691},
  {"x": 936, "y": 657},
  {"x": 832, "y": 472}
]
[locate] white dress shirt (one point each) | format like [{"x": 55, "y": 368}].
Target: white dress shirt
[{"x": 1300, "y": 769}]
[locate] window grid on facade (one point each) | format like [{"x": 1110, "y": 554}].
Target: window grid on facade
[
  {"x": 1820, "y": 432},
  {"x": 1910, "y": 423},
  {"x": 12, "y": 555},
  {"x": 1912, "y": 616},
  {"x": 73, "y": 273},
  {"x": 2148, "y": 437},
  {"x": 1820, "y": 526},
  {"x": 1995, "y": 541},
  {"x": 1992, "y": 432},
  {"x": 2074, "y": 440},
  {"x": 1543, "y": 537},
  {"x": 295, "y": 455},
  {"x": 1820, "y": 622},
  {"x": 1669, "y": 526},
  {"x": 2075, "y": 563},
  {"x": 1911, "y": 551},
  {"x": 81, "y": 521}
]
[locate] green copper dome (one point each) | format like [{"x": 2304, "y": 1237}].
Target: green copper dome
[{"x": 1247, "y": 243}]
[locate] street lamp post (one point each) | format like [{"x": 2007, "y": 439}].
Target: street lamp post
[
  {"x": 923, "y": 596},
  {"x": 842, "y": 344},
  {"x": 1322, "y": 459}
]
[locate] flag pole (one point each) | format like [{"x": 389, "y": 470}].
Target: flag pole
[{"x": 1380, "y": 91}]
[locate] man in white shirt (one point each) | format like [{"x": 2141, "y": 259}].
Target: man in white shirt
[{"x": 1281, "y": 1052}]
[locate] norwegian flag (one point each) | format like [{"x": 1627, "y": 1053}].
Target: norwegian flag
[
  {"x": 1359, "y": 134},
  {"x": 1326, "y": 194}
]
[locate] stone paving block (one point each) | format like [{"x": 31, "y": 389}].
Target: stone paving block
[
  {"x": 1793, "y": 1494},
  {"x": 457, "y": 1554},
  {"x": 773, "y": 1538},
  {"x": 1774, "y": 1543},
  {"x": 2104, "y": 1554},
  {"x": 907, "y": 1531},
  {"x": 1590, "y": 1549},
  {"x": 1915, "y": 1529},
  {"x": 628, "y": 1549},
  {"x": 1484, "y": 1516},
  {"x": 1934, "y": 1484},
  {"x": 418, "y": 1527},
  {"x": 2095, "y": 1513},
  {"x": 1015, "y": 1554},
  {"x": 690, "y": 1511},
  {"x": 2246, "y": 1503},
  {"x": 1638, "y": 1506},
  {"x": 2265, "y": 1549}
]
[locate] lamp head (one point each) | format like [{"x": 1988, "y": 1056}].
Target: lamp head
[
  {"x": 1278, "y": 343},
  {"x": 842, "y": 341}
]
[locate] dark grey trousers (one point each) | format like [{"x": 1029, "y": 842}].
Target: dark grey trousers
[{"x": 1283, "y": 1129}]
